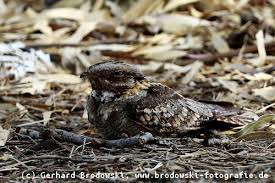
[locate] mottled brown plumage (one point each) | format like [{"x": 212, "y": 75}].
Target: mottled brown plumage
[{"x": 123, "y": 101}]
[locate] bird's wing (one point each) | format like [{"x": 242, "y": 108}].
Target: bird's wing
[{"x": 166, "y": 111}]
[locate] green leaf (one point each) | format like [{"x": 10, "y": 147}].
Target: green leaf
[{"x": 255, "y": 125}]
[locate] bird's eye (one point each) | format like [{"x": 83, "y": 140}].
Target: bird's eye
[{"x": 118, "y": 74}]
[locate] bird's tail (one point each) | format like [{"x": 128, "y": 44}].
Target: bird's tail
[
  {"x": 233, "y": 115},
  {"x": 236, "y": 119}
]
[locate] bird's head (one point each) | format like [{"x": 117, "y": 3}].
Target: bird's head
[{"x": 112, "y": 76}]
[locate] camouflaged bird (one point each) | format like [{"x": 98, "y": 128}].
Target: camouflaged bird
[{"x": 123, "y": 101}]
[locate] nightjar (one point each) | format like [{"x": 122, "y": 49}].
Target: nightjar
[{"x": 123, "y": 101}]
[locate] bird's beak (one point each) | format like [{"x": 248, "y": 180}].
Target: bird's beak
[{"x": 83, "y": 75}]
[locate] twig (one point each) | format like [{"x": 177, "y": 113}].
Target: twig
[
  {"x": 65, "y": 136},
  {"x": 201, "y": 57},
  {"x": 212, "y": 57},
  {"x": 37, "y": 103},
  {"x": 78, "y": 159},
  {"x": 60, "y": 45}
]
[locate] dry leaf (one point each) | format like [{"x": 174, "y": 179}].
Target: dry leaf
[
  {"x": 57, "y": 36},
  {"x": 22, "y": 109},
  {"x": 59, "y": 78},
  {"x": 112, "y": 47},
  {"x": 40, "y": 83},
  {"x": 258, "y": 76},
  {"x": 81, "y": 32},
  {"x": 141, "y": 7},
  {"x": 267, "y": 93},
  {"x": 195, "y": 67},
  {"x": 261, "y": 49},
  {"x": 173, "y": 4},
  {"x": 3, "y": 7},
  {"x": 65, "y": 13},
  {"x": 166, "y": 55},
  {"x": 85, "y": 114},
  {"x": 180, "y": 24},
  {"x": 219, "y": 43},
  {"x": 43, "y": 26},
  {"x": 6, "y": 157},
  {"x": 115, "y": 8},
  {"x": 30, "y": 85},
  {"x": 189, "y": 42},
  {"x": 194, "y": 12},
  {"x": 46, "y": 117},
  {"x": 4, "y": 135},
  {"x": 160, "y": 39},
  {"x": 68, "y": 3},
  {"x": 233, "y": 86},
  {"x": 149, "y": 50},
  {"x": 153, "y": 66},
  {"x": 160, "y": 52},
  {"x": 265, "y": 108}
]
